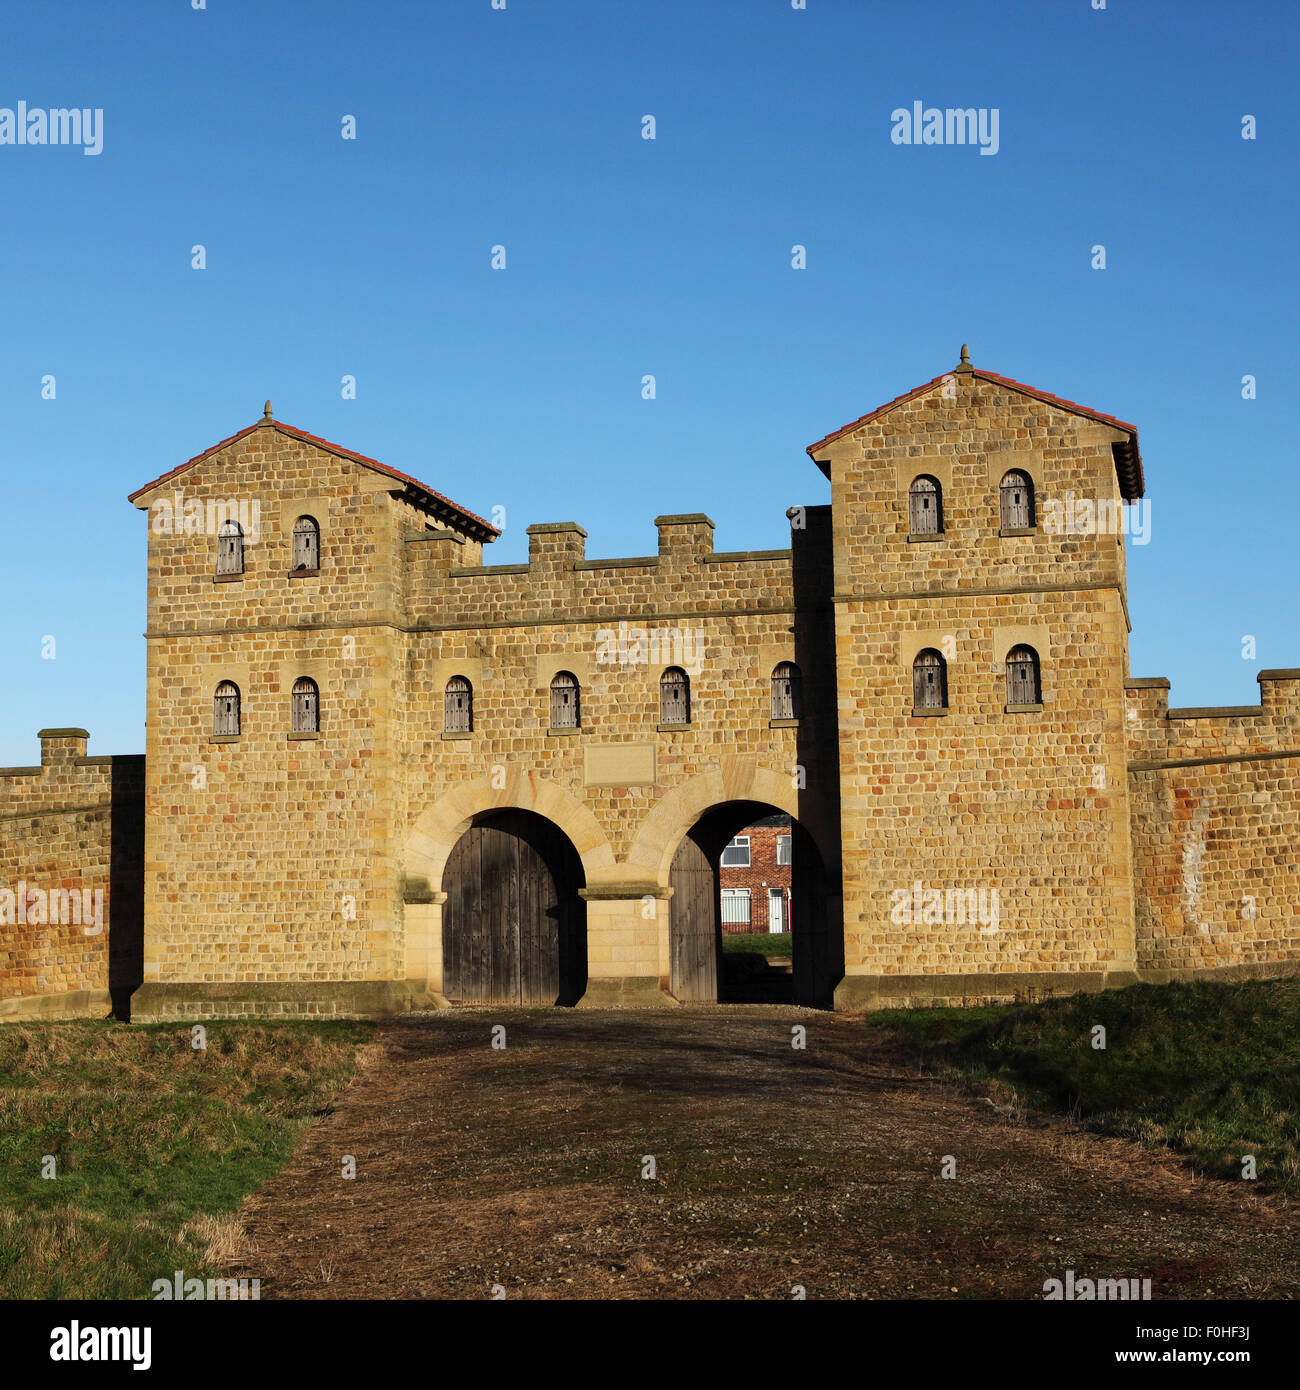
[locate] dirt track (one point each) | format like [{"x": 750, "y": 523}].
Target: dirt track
[{"x": 775, "y": 1168}]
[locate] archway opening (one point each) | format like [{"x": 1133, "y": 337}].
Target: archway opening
[
  {"x": 748, "y": 912},
  {"x": 514, "y": 928}
]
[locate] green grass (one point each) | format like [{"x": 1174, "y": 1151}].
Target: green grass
[
  {"x": 154, "y": 1143},
  {"x": 759, "y": 943},
  {"x": 1212, "y": 1070}
]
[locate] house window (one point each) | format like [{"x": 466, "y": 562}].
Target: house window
[
  {"x": 306, "y": 545},
  {"x": 306, "y": 706},
  {"x": 929, "y": 680},
  {"x": 787, "y": 692},
  {"x": 736, "y": 854},
  {"x": 1017, "y": 501},
  {"x": 735, "y": 907},
  {"x": 783, "y": 843},
  {"x": 674, "y": 697},
  {"x": 925, "y": 507},
  {"x": 230, "y": 548},
  {"x": 564, "y": 702},
  {"x": 225, "y": 711},
  {"x": 458, "y": 706},
  {"x": 1024, "y": 683}
]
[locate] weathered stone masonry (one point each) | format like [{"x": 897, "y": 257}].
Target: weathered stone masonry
[{"x": 303, "y": 872}]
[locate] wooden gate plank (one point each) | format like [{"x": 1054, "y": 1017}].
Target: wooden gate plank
[{"x": 694, "y": 911}]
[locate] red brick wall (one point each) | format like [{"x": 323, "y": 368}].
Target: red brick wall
[{"x": 763, "y": 874}]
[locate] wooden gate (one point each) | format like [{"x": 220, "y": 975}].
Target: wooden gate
[
  {"x": 694, "y": 914},
  {"x": 514, "y": 929}
]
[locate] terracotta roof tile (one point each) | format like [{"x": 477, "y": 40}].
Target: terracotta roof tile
[
  {"x": 1130, "y": 470},
  {"x": 478, "y": 524}
]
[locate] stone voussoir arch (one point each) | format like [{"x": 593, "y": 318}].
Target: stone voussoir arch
[
  {"x": 737, "y": 778},
  {"x": 436, "y": 830}
]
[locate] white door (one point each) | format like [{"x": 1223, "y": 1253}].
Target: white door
[{"x": 775, "y": 910}]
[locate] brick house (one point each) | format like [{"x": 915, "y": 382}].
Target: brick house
[
  {"x": 754, "y": 876},
  {"x": 380, "y": 773}
]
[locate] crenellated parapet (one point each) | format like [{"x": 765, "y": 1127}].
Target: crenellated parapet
[
  {"x": 1162, "y": 736},
  {"x": 449, "y": 587}
]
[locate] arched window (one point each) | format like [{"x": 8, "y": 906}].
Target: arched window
[
  {"x": 230, "y": 548},
  {"x": 929, "y": 680},
  {"x": 564, "y": 702},
  {"x": 306, "y": 706},
  {"x": 674, "y": 697},
  {"x": 458, "y": 706},
  {"x": 225, "y": 711},
  {"x": 1024, "y": 682},
  {"x": 787, "y": 692},
  {"x": 1017, "y": 501},
  {"x": 306, "y": 545},
  {"x": 925, "y": 506}
]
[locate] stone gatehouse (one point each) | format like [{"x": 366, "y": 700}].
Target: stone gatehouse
[{"x": 381, "y": 774}]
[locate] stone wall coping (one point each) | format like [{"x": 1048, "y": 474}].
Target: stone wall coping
[
  {"x": 469, "y": 571},
  {"x": 21, "y": 771},
  {"x": 1147, "y": 683},
  {"x": 729, "y": 557},
  {"x": 1282, "y": 673},
  {"x": 626, "y": 563},
  {"x": 62, "y": 733},
  {"x": 434, "y": 536},
  {"x": 686, "y": 519},
  {"x": 548, "y": 527},
  {"x": 1216, "y": 712}
]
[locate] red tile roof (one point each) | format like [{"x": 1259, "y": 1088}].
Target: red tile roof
[
  {"x": 474, "y": 525},
  {"x": 1128, "y": 460}
]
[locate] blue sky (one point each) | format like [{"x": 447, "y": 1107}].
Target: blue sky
[{"x": 522, "y": 387}]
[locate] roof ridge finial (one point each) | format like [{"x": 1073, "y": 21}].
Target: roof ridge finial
[
  {"x": 964, "y": 365},
  {"x": 266, "y": 412}
]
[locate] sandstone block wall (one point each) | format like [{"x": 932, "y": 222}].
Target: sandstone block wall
[
  {"x": 71, "y": 858},
  {"x": 1032, "y": 804},
  {"x": 1215, "y": 794}
]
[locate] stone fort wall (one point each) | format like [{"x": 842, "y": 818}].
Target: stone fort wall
[
  {"x": 71, "y": 861},
  {"x": 1214, "y": 794}
]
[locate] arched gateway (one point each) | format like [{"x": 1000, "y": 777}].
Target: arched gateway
[
  {"x": 697, "y": 972},
  {"x": 514, "y": 928}
]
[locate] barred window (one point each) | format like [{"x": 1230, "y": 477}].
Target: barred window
[
  {"x": 458, "y": 706},
  {"x": 306, "y": 706},
  {"x": 225, "y": 710},
  {"x": 1017, "y": 501},
  {"x": 564, "y": 702},
  {"x": 1024, "y": 684},
  {"x": 929, "y": 680},
  {"x": 925, "y": 506},
  {"x": 787, "y": 692},
  {"x": 674, "y": 697},
  {"x": 230, "y": 548},
  {"x": 306, "y": 544}
]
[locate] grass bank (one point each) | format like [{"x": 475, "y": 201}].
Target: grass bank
[
  {"x": 1211, "y": 1070},
  {"x": 152, "y": 1143}
]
